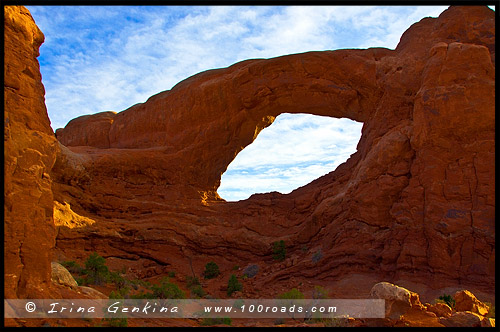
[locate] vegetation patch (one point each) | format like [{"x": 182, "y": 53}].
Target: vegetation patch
[{"x": 279, "y": 250}]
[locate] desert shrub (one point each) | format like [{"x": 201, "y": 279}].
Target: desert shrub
[
  {"x": 73, "y": 267},
  {"x": 293, "y": 294},
  {"x": 279, "y": 250},
  {"x": 317, "y": 256},
  {"x": 211, "y": 270},
  {"x": 143, "y": 295},
  {"x": 448, "y": 299},
  {"x": 97, "y": 271},
  {"x": 251, "y": 270},
  {"x": 117, "y": 279},
  {"x": 192, "y": 281},
  {"x": 233, "y": 285},
  {"x": 330, "y": 322},
  {"x": 491, "y": 312},
  {"x": 236, "y": 267},
  {"x": 81, "y": 281},
  {"x": 215, "y": 321},
  {"x": 197, "y": 291},
  {"x": 237, "y": 304},
  {"x": 115, "y": 322},
  {"x": 171, "y": 274},
  {"x": 120, "y": 293},
  {"x": 167, "y": 290},
  {"x": 319, "y": 293}
]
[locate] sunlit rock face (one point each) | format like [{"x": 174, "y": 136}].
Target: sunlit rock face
[
  {"x": 30, "y": 151},
  {"x": 414, "y": 204}
]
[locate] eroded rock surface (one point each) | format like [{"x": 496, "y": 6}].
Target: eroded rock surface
[
  {"x": 415, "y": 203},
  {"x": 30, "y": 149}
]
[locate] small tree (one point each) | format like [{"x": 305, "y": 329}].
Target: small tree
[
  {"x": 96, "y": 269},
  {"x": 291, "y": 295},
  {"x": 211, "y": 270},
  {"x": 167, "y": 290},
  {"x": 319, "y": 293},
  {"x": 197, "y": 291},
  {"x": 279, "y": 250},
  {"x": 192, "y": 281},
  {"x": 233, "y": 285},
  {"x": 448, "y": 299}
]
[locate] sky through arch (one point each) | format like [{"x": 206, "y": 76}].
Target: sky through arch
[{"x": 290, "y": 153}]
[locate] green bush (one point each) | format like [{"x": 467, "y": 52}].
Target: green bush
[
  {"x": 279, "y": 250},
  {"x": 293, "y": 294},
  {"x": 115, "y": 322},
  {"x": 197, "y": 291},
  {"x": 215, "y": 321},
  {"x": 142, "y": 295},
  {"x": 120, "y": 293},
  {"x": 233, "y": 285},
  {"x": 171, "y": 274},
  {"x": 117, "y": 279},
  {"x": 97, "y": 271},
  {"x": 319, "y": 293},
  {"x": 491, "y": 312},
  {"x": 167, "y": 290},
  {"x": 211, "y": 270},
  {"x": 448, "y": 299},
  {"x": 73, "y": 267},
  {"x": 192, "y": 281},
  {"x": 81, "y": 281}
]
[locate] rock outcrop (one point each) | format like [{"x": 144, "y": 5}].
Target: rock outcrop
[
  {"x": 415, "y": 203},
  {"x": 30, "y": 149},
  {"x": 62, "y": 276},
  {"x": 397, "y": 299},
  {"x": 466, "y": 301}
]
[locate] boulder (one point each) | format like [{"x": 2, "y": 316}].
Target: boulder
[
  {"x": 466, "y": 301},
  {"x": 440, "y": 309},
  {"x": 91, "y": 292},
  {"x": 397, "y": 299},
  {"x": 62, "y": 276},
  {"x": 462, "y": 319},
  {"x": 488, "y": 322}
]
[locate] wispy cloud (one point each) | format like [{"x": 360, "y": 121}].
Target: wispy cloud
[
  {"x": 106, "y": 58},
  {"x": 293, "y": 151},
  {"x": 111, "y": 57}
]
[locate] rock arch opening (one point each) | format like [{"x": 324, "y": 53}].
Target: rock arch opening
[{"x": 293, "y": 151}]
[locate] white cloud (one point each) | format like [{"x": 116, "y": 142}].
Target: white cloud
[
  {"x": 111, "y": 57},
  {"x": 293, "y": 151}
]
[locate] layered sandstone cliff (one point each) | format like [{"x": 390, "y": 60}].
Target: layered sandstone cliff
[
  {"x": 414, "y": 205},
  {"x": 30, "y": 149}
]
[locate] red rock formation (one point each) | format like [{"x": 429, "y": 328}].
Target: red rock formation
[
  {"x": 30, "y": 151},
  {"x": 415, "y": 203}
]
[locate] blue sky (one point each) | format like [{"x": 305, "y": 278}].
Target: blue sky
[{"x": 108, "y": 58}]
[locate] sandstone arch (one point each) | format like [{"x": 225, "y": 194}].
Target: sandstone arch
[{"x": 415, "y": 203}]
